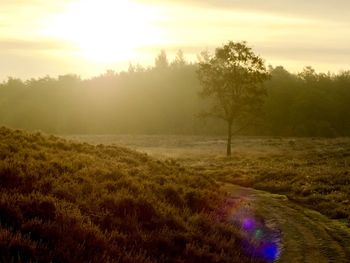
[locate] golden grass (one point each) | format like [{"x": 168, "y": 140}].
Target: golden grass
[{"x": 63, "y": 201}]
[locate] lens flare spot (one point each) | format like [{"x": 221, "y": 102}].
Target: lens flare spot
[
  {"x": 263, "y": 240},
  {"x": 259, "y": 234},
  {"x": 248, "y": 224},
  {"x": 270, "y": 251}
]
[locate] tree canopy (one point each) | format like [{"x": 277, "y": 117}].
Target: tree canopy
[
  {"x": 232, "y": 78},
  {"x": 165, "y": 101}
]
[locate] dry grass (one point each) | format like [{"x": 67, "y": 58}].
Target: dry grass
[
  {"x": 314, "y": 172},
  {"x": 64, "y": 201}
]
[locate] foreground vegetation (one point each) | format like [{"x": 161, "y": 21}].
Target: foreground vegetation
[
  {"x": 311, "y": 171},
  {"x": 63, "y": 201}
]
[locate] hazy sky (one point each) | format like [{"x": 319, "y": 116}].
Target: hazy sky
[{"x": 87, "y": 37}]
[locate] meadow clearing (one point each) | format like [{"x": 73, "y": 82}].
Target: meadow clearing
[
  {"x": 314, "y": 172},
  {"x": 175, "y": 199},
  {"x": 65, "y": 201}
]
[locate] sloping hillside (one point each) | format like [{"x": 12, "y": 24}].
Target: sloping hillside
[{"x": 63, "y": 201}]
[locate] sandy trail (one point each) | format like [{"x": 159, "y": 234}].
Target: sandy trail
[{"x": 306, "y": 235}]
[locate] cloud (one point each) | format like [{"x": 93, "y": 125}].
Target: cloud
[
  {"x": 315, "y": 32},
  {"x": 21, "y": 3},
  {"x": 339, "y": 54},
  {"x": 29, "y": 65},
  {"x": 28, "y": 45},
  {"x": 300, "y": 8}
]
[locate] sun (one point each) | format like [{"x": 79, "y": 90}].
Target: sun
[{"x": 106, "y": 30}]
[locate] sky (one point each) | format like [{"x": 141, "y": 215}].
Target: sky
[{"x": 88, "y": 37}]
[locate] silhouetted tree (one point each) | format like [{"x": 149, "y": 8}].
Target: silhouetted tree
[
  {"x": 166, "y": 100},
  {"x": 233, "y": 78},
  {"x": 309, "y": 75},
  {"x": 161, "y": 60},
  {"x": 131, "y": 68},
  {"x": 179, "y": 60}
]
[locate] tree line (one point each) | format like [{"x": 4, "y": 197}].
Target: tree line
[{"x": 163, "y": 99}]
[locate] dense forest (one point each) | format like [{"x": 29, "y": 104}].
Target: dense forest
[{"x": 164, "y": 100}]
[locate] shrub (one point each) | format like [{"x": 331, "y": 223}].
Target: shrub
[{"x": 69, "y": 202}]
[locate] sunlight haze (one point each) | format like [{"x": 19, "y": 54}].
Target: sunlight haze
[
  {"x": 88, "y": 37},
  {"x": 152, "y": 131}
]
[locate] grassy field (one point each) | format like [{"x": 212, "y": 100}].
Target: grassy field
[
  {"x": 314, "y": 172},
  {"x": 70, "y": 201},
  {"x": 73, "y": 202}
]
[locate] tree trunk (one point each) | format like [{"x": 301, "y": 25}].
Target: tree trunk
[{"x": 229, "y": 137}]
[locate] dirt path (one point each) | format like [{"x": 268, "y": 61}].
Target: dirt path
[{"x": 305, "y": 235}]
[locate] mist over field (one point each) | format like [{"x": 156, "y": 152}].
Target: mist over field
[
  {"x": 165, "y": 100},
  {"x": 146, "y": 131}
]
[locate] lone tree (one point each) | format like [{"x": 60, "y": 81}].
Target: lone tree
[{"x": 233, "y": 78}]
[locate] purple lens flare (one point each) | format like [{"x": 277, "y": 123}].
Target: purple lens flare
[
  {"x": 249, "y": 224},
  {"x": 262, "y": 241}
]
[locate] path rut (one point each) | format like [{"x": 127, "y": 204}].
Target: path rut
[{"x": 306, "y": 235}]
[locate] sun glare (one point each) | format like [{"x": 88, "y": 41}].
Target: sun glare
[{"x": 106, "y": 30}]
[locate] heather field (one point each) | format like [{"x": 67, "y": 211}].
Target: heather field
[
  {"x": 314, "y": 172},
  {"x": 65, "y": 201},
  {"x": 128, "y": 198}
]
